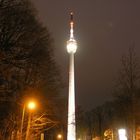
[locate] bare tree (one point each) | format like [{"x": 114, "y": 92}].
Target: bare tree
[
  {"x": 128, "y": 86},
  {"x": 26, "y": 59}
]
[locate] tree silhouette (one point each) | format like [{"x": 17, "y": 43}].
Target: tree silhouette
[{"x": 26, "y": 59}]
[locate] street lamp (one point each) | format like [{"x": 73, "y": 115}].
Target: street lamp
[
  {"x": 59, "y": 136},
  {"x": 31, "y": 105}
]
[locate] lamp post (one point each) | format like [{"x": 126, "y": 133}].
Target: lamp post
[
  {"x": 31, "y": 106},
  {"x": 28, "y": 127},
  {"x": 22, "y": 121}
]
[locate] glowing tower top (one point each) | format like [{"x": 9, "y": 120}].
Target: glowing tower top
[{"x": 71, "y": 44}]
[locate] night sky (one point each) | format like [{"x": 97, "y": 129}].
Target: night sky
[{"x": 104, "y": 29}]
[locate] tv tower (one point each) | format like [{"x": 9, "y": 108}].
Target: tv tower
[{"x": 71, "y": 49}]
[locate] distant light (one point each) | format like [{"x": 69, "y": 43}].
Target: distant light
[
  {"x": 122, "y": 134},
  {"x": 31, "y": 105},
  {"x": 59, "y": 136}
]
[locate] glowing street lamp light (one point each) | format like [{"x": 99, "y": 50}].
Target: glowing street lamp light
[
  {"x": 59, "y": 136},
  {"x": 122, "y": 134},
  {"x": 31, "y": 105}
]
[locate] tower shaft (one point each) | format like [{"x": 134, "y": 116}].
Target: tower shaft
[{"x": 71, "y": 134}]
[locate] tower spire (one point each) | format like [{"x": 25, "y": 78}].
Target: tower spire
[
  {"x": 71, "y": 16},
  {"x": 71, "y": 26}
]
